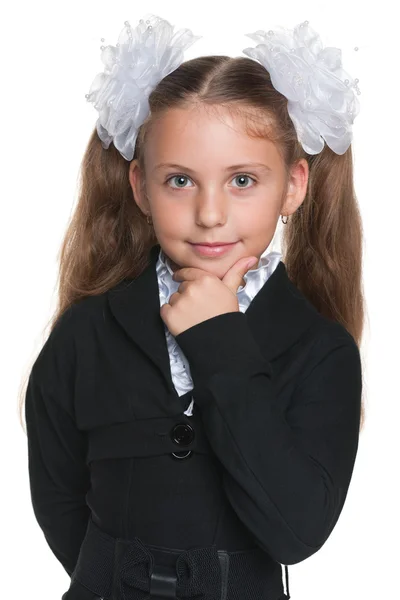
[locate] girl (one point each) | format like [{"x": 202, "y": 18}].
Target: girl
[{"x": 193, "y": 417}]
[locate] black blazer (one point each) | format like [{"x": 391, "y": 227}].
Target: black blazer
[{"x": 277, "y": 394}]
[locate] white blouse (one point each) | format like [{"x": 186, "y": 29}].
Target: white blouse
[{"x": 254, "y": 280}]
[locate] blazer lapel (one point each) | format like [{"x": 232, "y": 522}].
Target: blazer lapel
[
  {"x": 135, "y": 303},
  {"x": 277, "y": 316}
]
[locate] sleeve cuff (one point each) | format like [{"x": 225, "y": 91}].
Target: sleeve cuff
[{"x": 221, "y": 343}]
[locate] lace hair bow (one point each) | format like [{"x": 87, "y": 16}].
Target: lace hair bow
[
  {"x": 321, "y": 100},
  {"x": 142, "y": 57}
]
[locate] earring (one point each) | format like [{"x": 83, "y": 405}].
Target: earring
[
  {"x": 287, "y": 219},
  {"x": 147, "y": 218}
]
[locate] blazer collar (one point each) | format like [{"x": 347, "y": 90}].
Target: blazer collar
[{"x": 277, "y": 316}]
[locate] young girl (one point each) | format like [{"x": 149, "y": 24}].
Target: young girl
[{"x": 193, "y": 417}]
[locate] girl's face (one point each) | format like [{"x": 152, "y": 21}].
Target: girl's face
[{"x": 203, "y": 185}]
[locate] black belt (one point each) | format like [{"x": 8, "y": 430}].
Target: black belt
[{"x": 119, "y": 569}]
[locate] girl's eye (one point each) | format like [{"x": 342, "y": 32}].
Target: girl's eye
[
  {"x": 179, "y": 177},
  {"x": 242, "y": 176}
]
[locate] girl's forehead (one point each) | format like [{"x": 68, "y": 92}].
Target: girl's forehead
[
  {"x": 201, "y": 115},
  {"x": 209, "y": 131}
]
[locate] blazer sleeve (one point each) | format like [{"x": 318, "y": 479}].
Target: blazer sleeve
[
  {"x": 58, "y": 474},
  {"x": 286, "y": 474}
]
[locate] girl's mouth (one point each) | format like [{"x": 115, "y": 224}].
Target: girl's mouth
[{"x": 212, "y": 250}]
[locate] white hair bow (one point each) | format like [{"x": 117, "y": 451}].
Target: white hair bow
[
  {"x": 321, "y": 101},
  {"x": 142, "y": 57}
]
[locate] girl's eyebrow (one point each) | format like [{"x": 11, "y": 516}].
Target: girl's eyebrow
[{"x": 231, "y": 168}]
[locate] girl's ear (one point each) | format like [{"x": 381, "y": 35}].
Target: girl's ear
[
  {"x": 137, "y": 184},
  {"x": 297, "y": 187}
]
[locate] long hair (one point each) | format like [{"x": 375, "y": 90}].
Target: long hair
[{"x": 109, "y": 239}]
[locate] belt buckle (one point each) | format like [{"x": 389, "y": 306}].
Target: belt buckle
[{"x": 163, "y": 582}]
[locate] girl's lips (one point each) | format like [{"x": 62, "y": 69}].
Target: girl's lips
[{"x": 212, "y": 250}]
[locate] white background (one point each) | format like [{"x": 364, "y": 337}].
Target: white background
[{"x": 50, "y": 55}]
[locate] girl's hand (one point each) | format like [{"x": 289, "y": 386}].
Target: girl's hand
[{"x": 203, "y": 295}]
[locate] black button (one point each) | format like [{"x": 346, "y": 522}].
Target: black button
[{"x": 182, "y": 434}]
